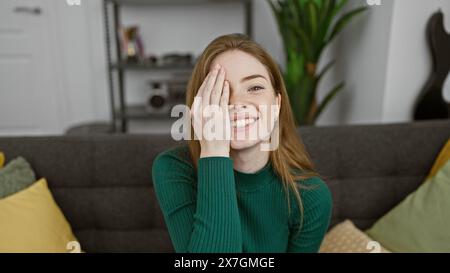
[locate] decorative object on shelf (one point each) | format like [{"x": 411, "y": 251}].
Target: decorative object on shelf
[
  {"x": 152, "y": 59},
  {"x": 307, "y": 27},
  {"x": 157, "y": 101},
  {"x": 166, "y": 94},
  {"x": 434, "y": 100},
  {"x": 176, "y": 59},
  {"x": 132, "y": 46}
]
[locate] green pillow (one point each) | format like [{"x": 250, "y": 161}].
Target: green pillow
[
  {"x": 15, "y": 176},
  {"x": 421, "y": 222}
]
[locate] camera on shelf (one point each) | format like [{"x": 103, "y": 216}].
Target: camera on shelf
[
  {"x": 157, "y": 101},
  {"x": 163, "y": 95}
]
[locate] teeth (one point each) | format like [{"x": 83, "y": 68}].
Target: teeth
[{"x": 242, "y": 122}]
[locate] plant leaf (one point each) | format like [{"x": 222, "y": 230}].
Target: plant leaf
[
  {"x": 343, "y": 21},
  {"x": 328, "y": 98},
  {"x": 305, "y": 42},
  {"x": 312, "y": 10},
  {"x": 338, "y": 7},
  {"x": 324, "y": 70}
]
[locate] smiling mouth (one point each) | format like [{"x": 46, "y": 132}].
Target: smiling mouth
[{"x": 242, "y": 123}]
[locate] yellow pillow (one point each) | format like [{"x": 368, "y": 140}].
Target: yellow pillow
[
  {"x": 2, "y": 159},
  {"x": 346, "y": 238},
  {"x": 442, "y": 158},
  {"x": 31, "y": 221}
]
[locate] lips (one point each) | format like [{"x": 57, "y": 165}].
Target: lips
[
  {"x": 243, "y": 119},
  {"x": 242, "y": 122}
]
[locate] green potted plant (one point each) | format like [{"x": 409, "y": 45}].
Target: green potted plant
[{"x": 307, "y": 27}]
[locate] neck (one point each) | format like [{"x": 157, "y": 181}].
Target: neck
[{"x": 249, "y": 160}]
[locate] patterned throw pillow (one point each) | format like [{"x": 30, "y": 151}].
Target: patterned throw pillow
[{"x": 346, "y": 238}]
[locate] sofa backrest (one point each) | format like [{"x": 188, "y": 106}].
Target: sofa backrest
[
  {"x": 371, "y": 168},
  {"x": 103, "y": 183}
]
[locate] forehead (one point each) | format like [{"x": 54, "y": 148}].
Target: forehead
[{"x": 239, "y": 64}]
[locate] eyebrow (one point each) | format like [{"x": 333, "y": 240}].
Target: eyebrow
[{"x": 253, "y": 77}]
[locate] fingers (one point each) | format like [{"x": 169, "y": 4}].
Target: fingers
[
  {"x": 224, "y": 100},
  {"x": 202, "y": 87},
  {"x": 206, "y": 95},
  {"x": 213, "y": 91},
  {"x": 198, "y": 99},
  {"x": 216, "y": 92}
]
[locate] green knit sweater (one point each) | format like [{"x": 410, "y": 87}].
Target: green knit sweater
[{"x": 218, "y": 209}]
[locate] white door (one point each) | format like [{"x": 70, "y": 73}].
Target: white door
[{"x": 29, "y": 98}]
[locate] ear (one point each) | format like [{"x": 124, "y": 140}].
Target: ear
[{"x": 278, "y": 100}]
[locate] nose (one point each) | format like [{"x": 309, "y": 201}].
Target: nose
[
  {"x": 239, "y": 107},
  {"x": 237, "y": 101}
]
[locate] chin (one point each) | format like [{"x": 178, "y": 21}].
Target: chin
[
  {"x": 243, "y": 144},
  {"x": 247, "y": 136}
]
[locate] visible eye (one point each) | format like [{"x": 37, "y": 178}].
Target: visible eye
[{"x": 256, "y": 88}]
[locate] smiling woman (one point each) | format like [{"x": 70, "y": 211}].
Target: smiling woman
[{"x": 230, "y": 194}]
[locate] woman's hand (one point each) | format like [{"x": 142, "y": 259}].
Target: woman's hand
[{"x": 211, "y": 108}]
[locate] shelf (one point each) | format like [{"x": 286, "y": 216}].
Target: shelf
[
  {"x": 173, "y": 2},
  {"x": 125, "y": 112},
  {"x": 149, "y": 66},
  {"x": 140, "y": 112}
]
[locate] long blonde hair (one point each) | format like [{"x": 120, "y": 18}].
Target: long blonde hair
[{"x": 290, "y": 160}]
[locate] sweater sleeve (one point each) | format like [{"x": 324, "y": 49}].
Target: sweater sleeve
[
  {"x": 202, "y": 216},
  {"x": 317, "y": 208}
]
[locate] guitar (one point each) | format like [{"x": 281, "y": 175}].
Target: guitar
[{"x": 431, "y": 103}]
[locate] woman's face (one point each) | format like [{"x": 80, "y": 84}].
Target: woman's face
[{"x": 251, "y": 98}]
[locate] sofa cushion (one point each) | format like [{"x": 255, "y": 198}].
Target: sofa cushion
[
  {"x": 15, "y": 176},
  {"x": 346, "y": 238},
  {"x": 420, "y": 223},
  {"x": 442, "y": 158},
  {"x": 2, "y": 159},
  {"x": 32, "y": 222}
]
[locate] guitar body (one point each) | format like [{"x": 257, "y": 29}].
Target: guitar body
[{"x": 431, "y": 103}]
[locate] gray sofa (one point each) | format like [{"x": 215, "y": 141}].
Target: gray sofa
[{"x": 103, "y": 183}]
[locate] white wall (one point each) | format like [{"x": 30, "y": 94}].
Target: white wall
[{"x": 81, "y": 60}]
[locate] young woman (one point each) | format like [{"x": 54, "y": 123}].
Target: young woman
[{"x": 228, "y": 194}]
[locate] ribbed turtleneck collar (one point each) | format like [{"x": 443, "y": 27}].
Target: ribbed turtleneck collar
[{"x": 253, "y": 181}]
